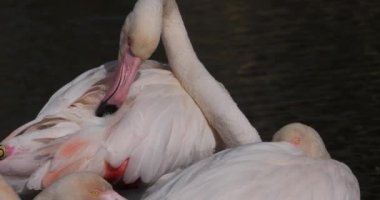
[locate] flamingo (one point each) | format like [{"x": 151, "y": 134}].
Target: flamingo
[
  {"x": 80, "y": 186},
  {"x": 163, "y": 121},
  {"x": 295, "y": 166}
]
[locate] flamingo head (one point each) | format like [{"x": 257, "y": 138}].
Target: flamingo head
[
  {"x": 303, "y": 137},
  {"x": 17, "y": 163},
  {"x": 18, "y": 159},
  {"x": 139, "y": 38},
  {"x": 80, "y": 185}
]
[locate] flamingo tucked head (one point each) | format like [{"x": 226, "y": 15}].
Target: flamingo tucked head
[
  {"x": 81, "y": 186},
  {"x": 21, "y": 156},
  {"x": 19, "y": 159},
  {"x": 139, "y": 38},
  {"x": 17, "y": 163},
  {"x": 304, "y": 137}
]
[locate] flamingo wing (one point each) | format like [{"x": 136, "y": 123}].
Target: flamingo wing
[
  {"x": 163, "y": 129},
  {"x": 68, "y": 110},
  {"x": 88, "y": 81},
  {"x": 158, "y": 129}
]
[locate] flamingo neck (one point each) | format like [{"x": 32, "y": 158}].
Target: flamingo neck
[{"x": 215, "y": 102}]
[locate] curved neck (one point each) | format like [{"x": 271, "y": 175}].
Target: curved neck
[{"x": 215, "y": 102}]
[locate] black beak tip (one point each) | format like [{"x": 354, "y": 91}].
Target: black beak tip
[{"x": 105, "y": 109}]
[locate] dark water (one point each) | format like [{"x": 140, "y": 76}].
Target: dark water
[{"x": 315, "y": 62}]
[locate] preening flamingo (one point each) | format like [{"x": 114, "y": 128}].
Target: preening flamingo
[
  {"x": 159, "y": 126},
  {"x": 295, "y": 167}
]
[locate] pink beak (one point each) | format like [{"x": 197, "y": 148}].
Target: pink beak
[
  {"x": 111, "y": 195},
  {"x": 125, "y": 75}
]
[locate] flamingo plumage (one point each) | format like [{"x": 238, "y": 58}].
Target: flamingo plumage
[
  {"x": 280, "y": 170},
  {"x": 165, "y": 119}
]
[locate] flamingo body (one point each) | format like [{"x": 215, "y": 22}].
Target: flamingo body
[
  {"x": 159, "y": 125},
  {"x": 158, "y": 129},
  {"x": 269, "y": 170}
]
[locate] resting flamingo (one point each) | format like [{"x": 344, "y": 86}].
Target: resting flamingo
[
  {"x": 78, "y": 186},
  {"x": 296, "y": 166},
  {"x": 158, "y": 128}
]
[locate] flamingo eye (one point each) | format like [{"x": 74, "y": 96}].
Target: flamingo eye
[
  {"x": 3, "y": 153},
  {"x": 95, "y": 193}
]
